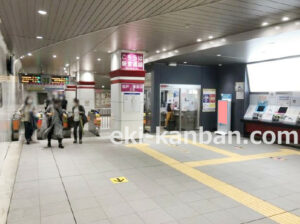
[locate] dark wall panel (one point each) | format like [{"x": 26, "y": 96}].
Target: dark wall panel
[{"x": 228, "y": 75}]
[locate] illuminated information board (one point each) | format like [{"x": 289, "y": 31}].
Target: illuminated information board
[
  {"x": 45, "y": 79},
  {"x": 31, "y": 79},
  {"x": 59, "y": 80}
]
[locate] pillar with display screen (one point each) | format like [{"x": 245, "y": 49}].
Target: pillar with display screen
[
  {"x": 224, "y": 114},
  {"x": 127, "y": 94}
]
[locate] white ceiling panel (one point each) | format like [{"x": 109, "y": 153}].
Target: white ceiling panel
[{"x": 91, "y": 28}]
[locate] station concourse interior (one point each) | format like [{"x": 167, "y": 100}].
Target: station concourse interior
[{"x": 190, "y": 112}]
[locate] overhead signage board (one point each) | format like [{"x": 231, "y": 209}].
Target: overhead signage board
[
  {"x": 132, "y": 61},
  {"x": 59, "y": 80},
  {"x": 44, "y": 79},
  {"x": 31, "y": 79}
]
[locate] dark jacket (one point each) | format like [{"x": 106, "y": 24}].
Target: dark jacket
[{"x": 82, "y": 113}]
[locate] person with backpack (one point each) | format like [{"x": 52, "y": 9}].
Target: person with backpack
[{"x": 79, "y": 119}]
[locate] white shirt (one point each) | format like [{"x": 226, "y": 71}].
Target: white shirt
[{"x": 76, "y": 114}]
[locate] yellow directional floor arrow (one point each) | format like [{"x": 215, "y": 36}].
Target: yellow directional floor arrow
[{"x": 117, "y": 180}]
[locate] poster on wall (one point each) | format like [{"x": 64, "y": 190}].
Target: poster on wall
[
  {"x": 131, "y": 103},
  {"x": 102, "y": 98},
  {"x": 209, "y": 100},
  {"x": 239, "y": 90}
]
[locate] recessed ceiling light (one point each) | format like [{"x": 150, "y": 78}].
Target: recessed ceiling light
[
  {"x": 176, "y": 51},
  {"x": 22, "y": 57},
  {"x": 158, "y": 51},
  {"x": 77, "y": 58},
  {"x": 42, "y": 12},
  {"x": 285, "y": 18},
  {"x": 98, "y": 59},
  {"x": 164, "y": 49},
  {"x": 29, "y": 54},
  {"x": 220, "y": 65},
  {"x": 219, "y": 55},
  {"x": 54, "y": 56},
  {"x": 103, "y": 87},
  {"x": 199, "y": 40},
  {"x": 67, "y": 65},
  {"x": 265, "y": 24},
  {"x": 39, "y": 37},
  {"x": 210, "y": 37},
  {"x": 184, "y": 62}
]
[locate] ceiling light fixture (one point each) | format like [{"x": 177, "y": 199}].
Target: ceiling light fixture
[
  {"x": 277, "y": 27},
  {"x": 176, "y": 51},
  {"x": 98, "y": 59},
  {"x": 67, "y": 65},
  {"x": 109, "y": 52},
  {"x": 265, "y": 24},
  {"x": 184, "y": 62},
  {"x": 22, "y": 57},
  {"x": 285, "y": 19},
  {"x": 158, "y": 51},
  {"x": 199, "y": 40},
  {"x": 39, "y": 37},
  {"x": 219, "y": 55},
  {"x": 29, "y": 54},
  {"x": 77, "y": 58},
  {"x": 223, "y": 40},
  {"x": 210, "y": 37},
  {"x": 103, "y": 87},
  {"x": 220, "y": 65},
  {"x": 42, "y": 12},
  {"x": 54, "y": 56},
  {"x": 164, "y": 49}
]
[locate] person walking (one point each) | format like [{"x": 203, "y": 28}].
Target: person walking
[
  {"x": 80, "y": 119},
  {"x": 28, "y": 118},
  {"x": 55, "y": 115}
]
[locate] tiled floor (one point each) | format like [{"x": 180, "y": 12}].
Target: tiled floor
[{"x": 73, "y": 185}]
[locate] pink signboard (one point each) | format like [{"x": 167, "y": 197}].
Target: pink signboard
[
  {"x": 130, "y": 87},
  {"x": 132, "y": 61}
]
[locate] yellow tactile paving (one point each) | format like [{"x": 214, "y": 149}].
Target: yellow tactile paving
[
  {"x": 282, "y": 152},
  {"x": 272, "y": 212},
  {"x": 207, "y": 147}
]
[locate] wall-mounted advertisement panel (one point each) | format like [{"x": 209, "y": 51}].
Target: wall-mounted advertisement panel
[
  {"x": 275, "y": 76},
  {"x": 132, "y": 61},
  {"x": 209, "y": 100}
]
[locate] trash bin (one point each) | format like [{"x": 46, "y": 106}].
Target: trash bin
[{"x": 15, "y": 126}]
